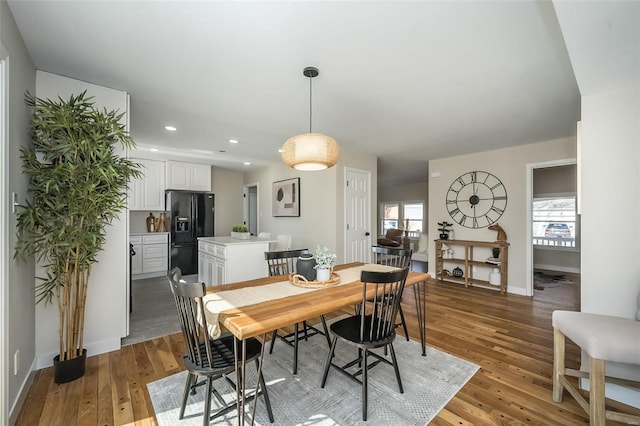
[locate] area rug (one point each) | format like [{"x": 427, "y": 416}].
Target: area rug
[
  {"x": 543, "y": 280},
  {"x": 429, "y": 384}
]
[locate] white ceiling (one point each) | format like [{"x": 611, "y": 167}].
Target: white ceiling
[{"x": 406, "y": 81}]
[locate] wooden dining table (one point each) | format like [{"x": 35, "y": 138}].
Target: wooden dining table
[{"x": 259, "y": 319}]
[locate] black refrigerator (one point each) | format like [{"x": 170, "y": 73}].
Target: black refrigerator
[{"x": 192, "y": 215}]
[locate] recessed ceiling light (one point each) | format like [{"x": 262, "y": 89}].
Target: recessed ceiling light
[
  {"x": 246, "y": 163},
  {"x": 170, "y": 128},
  {"x": 154, "y": 149},
  {"x": 233, "y": 141}
]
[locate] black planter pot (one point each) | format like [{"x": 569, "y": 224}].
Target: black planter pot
[
  {"x": 70, "y": 369},
  {"x": 444, "y": 236}
]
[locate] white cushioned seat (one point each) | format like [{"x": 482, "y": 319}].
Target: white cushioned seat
[
  {"x": 420, "y": 253},
  {"x": 601, "y": 336},
  {"x": 604, "y": 338}
]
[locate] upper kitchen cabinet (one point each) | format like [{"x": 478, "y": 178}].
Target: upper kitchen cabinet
[
  {"x": 188, "y": 176},
  {"x": 147, "y": 193}
]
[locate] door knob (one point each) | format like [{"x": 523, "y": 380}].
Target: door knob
[{"x": 366, "y": 234}]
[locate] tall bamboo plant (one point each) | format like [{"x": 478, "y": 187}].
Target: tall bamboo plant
[{"x": 77, "y": 187}]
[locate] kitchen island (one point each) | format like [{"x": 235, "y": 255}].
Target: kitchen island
[{"x": 223, "y": 260}]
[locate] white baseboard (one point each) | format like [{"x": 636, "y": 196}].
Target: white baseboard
[
  {"x": 22, "y": 394},
  {"x": 511, "y": 290},
  {"x": 557, "y": 268},
  {"x": 96, "y": 348}
]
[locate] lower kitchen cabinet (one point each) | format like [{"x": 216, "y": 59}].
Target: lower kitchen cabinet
[
  {"x": 152, "y": 255},
  {"x": 223, "y": 260}
]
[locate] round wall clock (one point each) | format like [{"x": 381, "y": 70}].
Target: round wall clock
[{"x": 476, "y": 199}]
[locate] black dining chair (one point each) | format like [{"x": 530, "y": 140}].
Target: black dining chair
[
  {"x": 374, "y": 327},
  {"x": 207, "y": 357},
  {"x": 400, "y": 258},
  {"x": 284, "y": 263}
]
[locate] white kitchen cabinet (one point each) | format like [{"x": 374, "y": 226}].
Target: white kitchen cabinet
[
  {"x": 152, "y": 255},
  {"x": 188, "y": 176},
  {"x": 147, "y": 193},
  {"x": 207, "y": 269},
  {"x": 223, "y": 260}
]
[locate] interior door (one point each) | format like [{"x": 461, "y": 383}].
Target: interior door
[{"x": 357, "y": 215}]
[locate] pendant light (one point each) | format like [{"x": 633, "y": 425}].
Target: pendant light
[{"x": 310, "y": 151}]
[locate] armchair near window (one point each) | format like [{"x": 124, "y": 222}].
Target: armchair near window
[{"x": 393, "y": 238}]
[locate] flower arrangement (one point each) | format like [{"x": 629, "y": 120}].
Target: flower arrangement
[{"x": 324, "y": 258}]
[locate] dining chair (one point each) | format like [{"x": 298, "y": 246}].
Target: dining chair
[
  {"x": 283, "y": 243},
  {"x": 400, "y": 258},
  {"x": 206, "y": 357},
  {"x": 374, "y": 327},
  {"x": 284, "y": 263},
  {"x": 265, "y": 235}
]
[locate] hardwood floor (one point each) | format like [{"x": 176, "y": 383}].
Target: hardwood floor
[{"x": 509, "y": 336}]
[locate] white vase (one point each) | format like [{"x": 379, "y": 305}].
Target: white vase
[
  {"x": 323, "y": 274},
  {"x": 494, "y": 277}
]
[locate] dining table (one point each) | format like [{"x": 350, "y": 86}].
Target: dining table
[{"x": 256, "y": 307}]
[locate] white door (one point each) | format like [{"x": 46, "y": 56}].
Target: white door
[{"x": 357, "y": 215}]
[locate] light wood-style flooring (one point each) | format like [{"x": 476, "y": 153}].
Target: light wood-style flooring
[{"x": 509, "y": 336}]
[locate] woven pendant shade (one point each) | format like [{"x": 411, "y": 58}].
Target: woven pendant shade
[{"x": 310, "y": 151}]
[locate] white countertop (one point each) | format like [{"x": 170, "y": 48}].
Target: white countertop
[
  {"x": 147, "y": 233},
  {"x": 229, "y": 241}
]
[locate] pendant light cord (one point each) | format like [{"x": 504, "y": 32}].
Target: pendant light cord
[{"x": 310, "y": 106}]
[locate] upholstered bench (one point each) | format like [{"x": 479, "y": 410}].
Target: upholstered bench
[{"x": 603, "y": 338}]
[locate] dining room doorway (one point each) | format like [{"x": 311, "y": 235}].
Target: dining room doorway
[
  {"x": 554, "y": 233},
  {"x": 250, "y": 208}
]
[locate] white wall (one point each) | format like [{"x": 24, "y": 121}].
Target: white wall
[
  {"x": 18, "y": 309},
  {"x": 227, "y": 185},
  {"x": 322, "y": 193},
  {"x": 603, "y": 42},
  {"x": 106, "y": 316},
  {"x": 510, "y": 166},
  {"x": 317, "y": 221}
]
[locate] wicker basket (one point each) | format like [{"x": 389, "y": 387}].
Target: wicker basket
[{"x": 300, "y": 281}]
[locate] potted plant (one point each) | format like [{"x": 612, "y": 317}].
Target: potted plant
[
  {"x": 77, "y": 187},
  {"x": 240, "y": 232},
  {"x": 325, "y": 260},
  {"x": 444, "y": 231}
]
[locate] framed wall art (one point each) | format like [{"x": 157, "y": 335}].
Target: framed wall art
[{"x": 285, "y": 199}]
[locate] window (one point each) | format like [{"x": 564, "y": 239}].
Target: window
[
  {"x": 554, "y": 221},
  {"x": 400, "y": 215},
  {"x": 390, "y": 217},
  {"x": 412, "y": 215}
]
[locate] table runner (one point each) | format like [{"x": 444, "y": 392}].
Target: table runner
[{"x": 221, "y": 301}]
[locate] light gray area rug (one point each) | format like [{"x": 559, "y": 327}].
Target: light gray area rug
[{"x": 429, "y": 383}]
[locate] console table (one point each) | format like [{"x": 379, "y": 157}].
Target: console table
[{"x": 467, "y": 262}]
